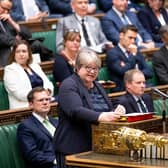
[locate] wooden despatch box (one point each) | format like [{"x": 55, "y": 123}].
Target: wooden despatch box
[{"x": 101, "y": 133}]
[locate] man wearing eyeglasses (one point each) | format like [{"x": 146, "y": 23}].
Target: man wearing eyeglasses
[
  {"x": 35, "y": 134},
  {"x": 88, "y": 26}
]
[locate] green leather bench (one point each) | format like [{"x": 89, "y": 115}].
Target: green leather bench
[
  {"x": 158, "y": 107},
  {"x": 50, "y": 38},
  {"x": 10, "y": 156},
  {"x": 4, "y": 102},
  {"x": 154, "y": 79}
]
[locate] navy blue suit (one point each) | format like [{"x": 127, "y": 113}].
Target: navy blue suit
[
  {"x": 76, "y": 114},
  {"x": 128, "y": 101},
  {"x": 36, "y": 144},
  {"x": 115, "y": 58},
  {"x": 62, "y": 69},
  {"x": 150, "y": 21},
  {"x": 111, "y": 25}
]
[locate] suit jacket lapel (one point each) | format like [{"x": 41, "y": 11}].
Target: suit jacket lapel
[
  {"x": 116, "y": 19},
  {"x": 123, "y": 56},
  {"x": 41, "y": 127},
  {"x": 132, "y": 103},
  {"x": 83, "y": 91}
]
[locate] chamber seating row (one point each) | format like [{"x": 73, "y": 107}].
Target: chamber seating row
[{"x": 10, "y": 156}]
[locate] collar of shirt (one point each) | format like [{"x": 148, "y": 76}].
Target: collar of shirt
[
  {"x": 136, "y": 97},
  {"x": 39, "y": 118},
  {"x": 117, "y": 11},
  {"x": 122, "y": 48},
  {"x": 79, "y": 18}
]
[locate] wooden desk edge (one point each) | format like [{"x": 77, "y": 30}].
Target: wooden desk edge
[{"x": 75, "y": 160}]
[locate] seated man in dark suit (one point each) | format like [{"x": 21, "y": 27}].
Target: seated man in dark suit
[
  {"x": 117, "y": 17},
  {"x": 160, "y": 57},
  {"x": 125, "y": 56},
  {"x": 135, "y": 100},
  {"x": 35, "y": 134},
  {"x": 10, "y": 31}
]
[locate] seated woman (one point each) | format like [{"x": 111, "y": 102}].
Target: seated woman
[
  {"x": 82, "y": 102},
  {"x": 152, "y": 17},
  {"x": 64, "y": 63},
  {"x": 21, "y": 75}
]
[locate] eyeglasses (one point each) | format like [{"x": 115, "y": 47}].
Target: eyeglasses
[
  {"x": 44, "y": 99},
  {"x": 91, "y": 69},
  {"x": 72, "y": 30}
]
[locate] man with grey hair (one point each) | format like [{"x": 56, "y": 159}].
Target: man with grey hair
[
  {"x": 160, "y": 58},
  {"x": 88, "y": 26}
]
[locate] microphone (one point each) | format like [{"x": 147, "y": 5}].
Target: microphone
[{"x": 159, "y": 92}]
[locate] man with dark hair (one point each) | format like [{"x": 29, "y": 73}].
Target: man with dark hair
[
  {"x": 160, "y": 58},
  {"x": 135, "y": 100},
  {"x": 35, "y": 134},
  {"x": 125, "y": 56}
]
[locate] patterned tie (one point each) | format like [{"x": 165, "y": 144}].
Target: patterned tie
[
  {"x": 51, "y": 129},
  {"x": 85, "y": 33},
  {"x": 124, "y": 19},
  {"x": 142, "y": 106}
]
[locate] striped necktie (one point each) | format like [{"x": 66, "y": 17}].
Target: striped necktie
[
  {"x": 51, "y": 129},
  {"x": 142, "y": 106}
]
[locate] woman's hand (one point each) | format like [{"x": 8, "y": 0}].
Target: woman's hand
[{"x": 112, "y": 116}]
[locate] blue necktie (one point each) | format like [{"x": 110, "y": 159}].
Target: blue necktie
[{"x": 124, "y": 19}]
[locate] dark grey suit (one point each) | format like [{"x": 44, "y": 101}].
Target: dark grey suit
[
  {"x": 71, "y": 22},
  {"x": 160, "y": 62}
]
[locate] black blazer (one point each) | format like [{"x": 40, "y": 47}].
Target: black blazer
[
  {"x": 61, "y": 69},
  {"x": 150, "y": 21},
  {"x": 160, "y": 62},
  {"x": 130, "y": 104},
  {"x": 36, "y": 144},
  {"x": 76, "y": 115}
]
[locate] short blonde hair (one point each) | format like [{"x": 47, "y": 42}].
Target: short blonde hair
[{"x": 85, "y": 57}]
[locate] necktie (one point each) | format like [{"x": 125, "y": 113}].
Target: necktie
[
  {"x": 85, "y": 34},
  {"x": 128, "y": 54},
  {"x": 51, "y": 129},
  {"x": 142, "y": 106},
  {"x": 124, "y": 19}
]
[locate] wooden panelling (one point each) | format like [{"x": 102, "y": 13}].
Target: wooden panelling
[{"x": 16, "y": 115}]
